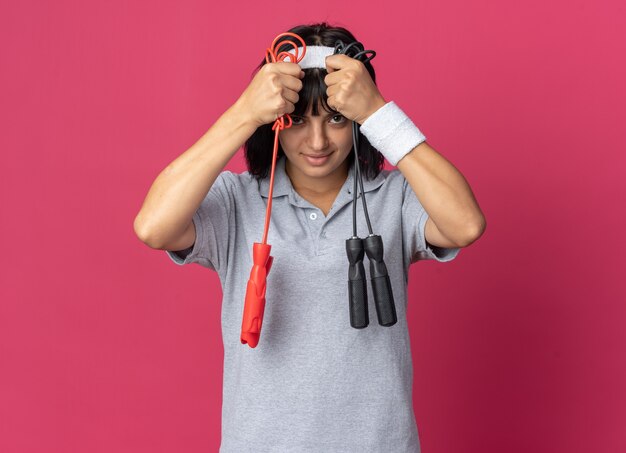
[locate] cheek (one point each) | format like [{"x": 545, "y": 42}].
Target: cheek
[
  {"x": 347, "y": 139},
  {"x": 291, "y": 141},
  {"x": 286, "y": 142}
]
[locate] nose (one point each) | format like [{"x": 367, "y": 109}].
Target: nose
[{"x": 317, "y": 138}]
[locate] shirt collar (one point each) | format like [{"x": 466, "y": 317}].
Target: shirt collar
[{"x": 283, "y": 186}]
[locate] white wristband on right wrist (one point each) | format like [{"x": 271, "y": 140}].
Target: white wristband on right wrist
[{"x": 391, "y": 132}]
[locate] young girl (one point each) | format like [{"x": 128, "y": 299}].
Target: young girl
[{"x": 313, "y": 383}]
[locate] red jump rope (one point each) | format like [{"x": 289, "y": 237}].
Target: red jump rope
[{"x": 254, "y": 306}]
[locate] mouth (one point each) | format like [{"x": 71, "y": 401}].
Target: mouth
[{"x": 317, "y": 159}]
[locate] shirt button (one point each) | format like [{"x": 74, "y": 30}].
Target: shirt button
[{"x": 313, "y": 216}]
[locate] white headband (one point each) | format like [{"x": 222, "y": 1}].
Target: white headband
[{"x": 315, "y": 56}]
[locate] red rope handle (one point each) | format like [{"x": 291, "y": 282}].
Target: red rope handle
[{"x": 254, "y": 304}]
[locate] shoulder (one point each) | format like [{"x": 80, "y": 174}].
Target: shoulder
[
  {"x": 392, "y": 176},
  {"x": 235, "y": 182},
  {"x": 392, "y": 181}
]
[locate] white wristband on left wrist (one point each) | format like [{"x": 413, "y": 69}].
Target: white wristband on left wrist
[{"x": 391, "y": 132}]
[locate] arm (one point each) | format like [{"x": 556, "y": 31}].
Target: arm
[
  {"x": 165, "y": 218},
  {"x": 445, "y": 195},
  {"x": 455, "y": 219}
]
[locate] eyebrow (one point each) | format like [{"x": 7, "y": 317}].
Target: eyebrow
[{"x": 325, "y": 116}]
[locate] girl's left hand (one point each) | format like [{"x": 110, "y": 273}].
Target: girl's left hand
[{"x": 350, "y": 89}]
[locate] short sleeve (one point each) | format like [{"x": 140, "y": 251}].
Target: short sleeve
[
  {"x": 414, "y": 217},
  {"x": 212, "y": 223}
]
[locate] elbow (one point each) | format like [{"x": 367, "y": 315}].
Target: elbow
[
  {"x": 143, "y": 232},
  {"x": 474, "y": 232}
]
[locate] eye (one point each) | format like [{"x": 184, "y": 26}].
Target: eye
[
  {"x": 341, "y": 118},
  {"x": 298, "y": 120}
]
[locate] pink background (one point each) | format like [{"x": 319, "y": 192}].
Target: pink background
[{"x": 108, "y": 346}]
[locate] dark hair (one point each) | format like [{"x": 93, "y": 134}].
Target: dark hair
[{"x": 258, "y": 148}]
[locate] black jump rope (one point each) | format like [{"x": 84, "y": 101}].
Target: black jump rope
[{"x": 372, "y": 245}]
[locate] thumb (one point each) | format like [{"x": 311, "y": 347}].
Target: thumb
[
  {"x": 333, "y": 63},
  {"x": 337, "y": 61}
]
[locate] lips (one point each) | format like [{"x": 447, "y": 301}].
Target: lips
[{"x": 316, "y": 159}]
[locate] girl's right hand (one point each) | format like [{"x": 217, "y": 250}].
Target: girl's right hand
[{"x": 272, "y": 92}]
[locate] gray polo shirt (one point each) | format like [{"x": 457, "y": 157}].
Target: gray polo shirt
[{"x": 313, "y": 383}]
